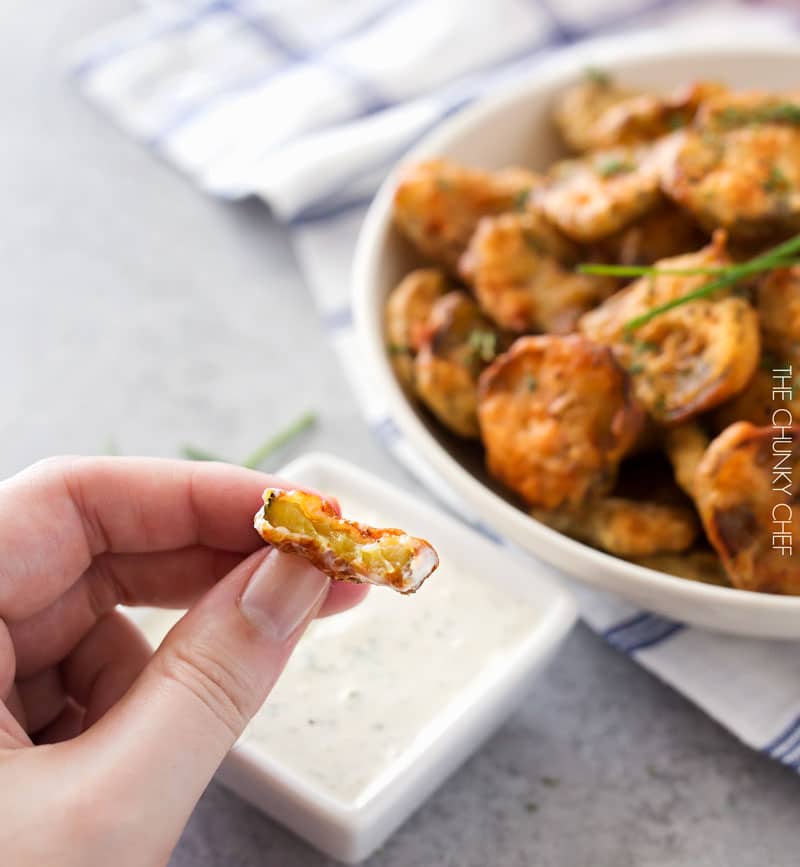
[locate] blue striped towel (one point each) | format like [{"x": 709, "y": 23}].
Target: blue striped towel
[{"x": 308, "y": 103}]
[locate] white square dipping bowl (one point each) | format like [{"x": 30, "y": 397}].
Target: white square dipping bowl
[{"x": 350, "y": 828}]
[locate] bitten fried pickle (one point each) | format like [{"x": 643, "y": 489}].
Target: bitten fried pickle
[{"x": 302, "y": 523}]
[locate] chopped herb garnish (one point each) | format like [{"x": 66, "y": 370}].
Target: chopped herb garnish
[
  {"x": 531, "y": 806},
  {"x": 597, "y": 76},
  {"x": 551, "y": 782},
  {"x": 278, "y": 440},
  {"x": 615, "y": 167},
  {"x": 636, "y": 367},
  {"x": 533, "y": 242},
  {"x": 531, "y": 382},
  {"x": 776, "y": 181},
  {"x": 784, "y": 112},
  {"x": 444, "y": 184},
  {"x": 660, "y": 404},
  {"x": 258, "y": 457},
  {"x": 194, "y": 454},
  {"x": 397, "y": 349},
  {"x": 653, "y": 271},
  {"x": 646, "y": 346},
  {"x": 521, "y": 199},
  {"x": 676, "y": 120},
  {"x": 777, "y": 257},
  {"x": 483, "y": 344}
]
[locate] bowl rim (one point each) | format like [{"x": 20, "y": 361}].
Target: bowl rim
[{"x": 510, "y": 521}]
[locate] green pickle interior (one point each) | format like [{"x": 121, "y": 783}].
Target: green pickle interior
[{"x": 384, "y": 553}]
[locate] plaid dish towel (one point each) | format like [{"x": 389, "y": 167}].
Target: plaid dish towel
[{"x": 308, "y": 103}]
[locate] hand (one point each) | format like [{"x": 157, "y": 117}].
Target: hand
[{"x": 105, "y": 748}]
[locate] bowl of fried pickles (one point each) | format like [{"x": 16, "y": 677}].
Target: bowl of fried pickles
[{"x": 580, "y": 297}]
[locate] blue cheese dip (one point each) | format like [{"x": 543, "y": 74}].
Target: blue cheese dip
[{"x": 367, "y": 690}]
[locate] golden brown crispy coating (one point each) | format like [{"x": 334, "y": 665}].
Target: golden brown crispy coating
[
  {"x": 579, "y": 107},
  {"x": 689, "y": 359},
  {"x": 556, "y": 417},
  {"x": 703, "y": 566},
  {"x": 763, "y": 394},
  {"x": 778, "y": 306},
  {"x": 740, "y": 168},
  {"x": 646, "y": 117},
  {"x": 733, "y": 109},
  {"x": 747, "y": 482},
  {"x": 299, "y": 522},
  {"x": 514, "y": 262},
  {"x": 408, "y": 309},
  {"x": 438, "y": 204},
  {"x": 627, "y": 528},
  {"x": 459, "y": 343},
  {"x": 595, "y": 196},
  {"x": 665, "y": 232},
  {"x": 685, "y": 446}
]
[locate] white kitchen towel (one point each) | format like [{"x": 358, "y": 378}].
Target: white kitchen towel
[{"x": 308, "y": 103}]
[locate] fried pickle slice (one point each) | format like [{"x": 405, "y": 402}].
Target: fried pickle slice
[
  {"x": 702, "y": 566},
  {"x": 627, "y": 528},
  {"x": 408, "y": 309},
  {"x": 685, "y": 446},
  {"x": 556, "y": 417},
  {"x": 518, "y": 267},
  {"x": 763, "y": 394},
  {"x": 664, "y": 232},
  {"x": 302, "y": 523},
  {"x": 778, "y": 307},
  {"x": 747, "y": 490},
  {"x": 646, "y": 117},
  {"x": 597, "y": 195},
  {"x": 688, "y": 359},
  {"x": 598, "y": 113},
  {"x": 460, "y": 343},
  {"x": 739, "y": 168},
  {"x": 438, "y": 203},
  {"x": 579, "y": 108}
]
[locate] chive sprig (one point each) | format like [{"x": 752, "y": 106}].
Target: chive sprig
[{"x": 783, "y": 255}]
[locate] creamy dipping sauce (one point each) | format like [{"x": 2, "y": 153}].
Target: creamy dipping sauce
[{"x": 368, "y": 689}]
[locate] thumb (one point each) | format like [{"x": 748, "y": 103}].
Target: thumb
[{"x": 165, "y": 739}]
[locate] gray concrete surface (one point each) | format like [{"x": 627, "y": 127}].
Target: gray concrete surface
[{"x": 135, "y": 310}]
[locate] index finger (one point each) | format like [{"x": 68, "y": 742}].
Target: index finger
[{"x": 57, "y": 515}]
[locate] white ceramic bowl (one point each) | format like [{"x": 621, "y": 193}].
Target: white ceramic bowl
[{"x": 512, "y": 127}]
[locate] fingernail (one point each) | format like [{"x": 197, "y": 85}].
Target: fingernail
[{"x": 281, "y": 593}]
